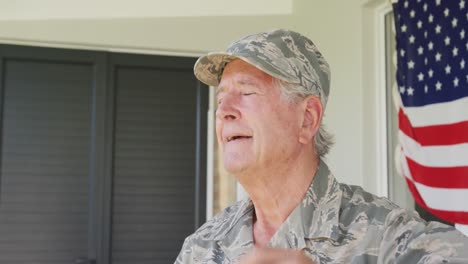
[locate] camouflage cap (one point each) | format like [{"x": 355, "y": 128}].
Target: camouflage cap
[{"x": 283, "y": 54}]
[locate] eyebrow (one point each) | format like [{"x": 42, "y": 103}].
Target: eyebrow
[{"x": 245, "y": 81}]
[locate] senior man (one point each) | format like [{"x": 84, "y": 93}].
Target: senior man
[{"x": 272, "y": 89}]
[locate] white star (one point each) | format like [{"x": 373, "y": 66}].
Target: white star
[
  {"x": 425, "y": 61},
  {"x": 431, "y": 72},
  {"x": 448, "y": 69},
  {"x": 425, "y": 34},
  {"x": 411, "y": 64},
  {"x": 447, "y": 40},
  {"x": 419, "y": 24},
  {"x": 403, "y": 28},
  {"x": 410, "y": 91},
  {"x": 402, "y": 89},
  {"x": 455, "y": 51},
  {"x": 431, "y": 18},
  {"x": 462, "y": 4},
  {"x": 421, "y": 76},
  {"x": 426, "y": 88},
  {"x": 411, "y": 39},
  {"x": 438, "y": 56},
  {"x": 430, "y": 45},
  {"x": 455, "y": 82},
  {"x": 406, "y": 4},
  {"x": 402, "y": 52},
  {"x": 438, "y": 2},
  {"x": 438, "y": 28},
  {"x": 420, "y": 50},
  {"x": 454, "y": 22},
  {"x": 438, "y": 86},
  {"x": 462, "y": 34},
  {"x": 462, "y": 64},
  {"x": 425, "y": 7},
  {"x": 446, "y": 12},
  {"x": 412, "y": 13}
]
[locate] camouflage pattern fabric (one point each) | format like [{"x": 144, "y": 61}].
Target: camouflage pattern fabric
[
  {"x": 334, "y": 223},
  {"x": 283, "y": 54}
]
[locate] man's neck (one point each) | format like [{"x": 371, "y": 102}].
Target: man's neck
[{"x": 276, "y": 195}]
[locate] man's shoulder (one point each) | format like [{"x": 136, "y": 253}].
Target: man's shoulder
[
  {"x": 220, "y": 224},
  {"x": 359, "y": 204}
]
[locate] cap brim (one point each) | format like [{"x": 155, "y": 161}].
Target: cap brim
[{"x": 209, "y": 68}]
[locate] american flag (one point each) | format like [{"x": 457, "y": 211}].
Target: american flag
[{"x": 432, "y": 78}]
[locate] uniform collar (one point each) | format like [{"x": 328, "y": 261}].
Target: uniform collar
[{"x": 316, "y": 217}]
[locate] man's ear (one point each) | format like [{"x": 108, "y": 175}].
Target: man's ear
[{"x": 312, "y": 116}]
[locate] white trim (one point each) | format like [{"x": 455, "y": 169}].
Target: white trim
[
  {"x": 94, "y": 47},
  {"x": 374, "y": 161},
  {"x": 210, "y": 157},
  {"x": 381, "y": 99}
]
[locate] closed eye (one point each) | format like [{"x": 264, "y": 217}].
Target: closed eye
[{"x": 248, "y": 93}]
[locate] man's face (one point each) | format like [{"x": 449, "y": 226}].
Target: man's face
[{"x": 256, "y": 127}]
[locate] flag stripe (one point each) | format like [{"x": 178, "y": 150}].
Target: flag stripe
[
  {"x": 430, "y": 115},
  {"x": 434, "y": 156},
  {"x": 448, "y": 177},
  {"x": 447, "y": 134},
  {"x": 451, "y": 216}
]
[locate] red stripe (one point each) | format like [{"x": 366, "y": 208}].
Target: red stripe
[
  {"x": 448, "y": 177},
  {"x": 450, "y": 216},
  {"x": 447, "y": 134}
]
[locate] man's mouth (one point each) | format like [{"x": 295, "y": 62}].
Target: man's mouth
[{"x": 233, "y": 138}]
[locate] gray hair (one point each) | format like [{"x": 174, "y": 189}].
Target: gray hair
[{"x": 323, "y": 140}]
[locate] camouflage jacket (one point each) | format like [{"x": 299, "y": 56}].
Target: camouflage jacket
[{"x": 334, "y": 223}]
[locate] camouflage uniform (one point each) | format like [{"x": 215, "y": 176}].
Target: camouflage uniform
[{"x": 334, "y": 223}]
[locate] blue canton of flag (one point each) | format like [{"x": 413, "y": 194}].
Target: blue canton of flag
[{"x": 432, "y": 51}]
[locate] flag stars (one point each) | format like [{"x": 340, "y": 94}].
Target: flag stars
[
  {"x": 437, "y": 29},
  {"x": 419, "y": 24},
  {"x": 402, "y": 52},
  {"x": 425, "y": 7},
  {"x": 462, "y": 64},
  {"x": 412, "y": 13},
  {"x": 455, "y": 82},
  {"x": 402, "y": 89},
  {"x": 438, "y": 2},
  {"x": 431, "y": 73},
  {"x": 430, "y": 46},
  {"x": 425, "y": 61},
  {"x": 448, "y": 69},
  {"x": 406, "y": 4},
  {"x": 462, "y": 4},
  {"x": 455, "y": 51},
  {"x": 454, "y": 22},
  {"x": 431, "y": 18},
  {"x": 410, "y": 91},
  {"x": 462, "y": 34},
  {"x": 438, "y": 86},
  {"x": 447, "y": 40},
  {"x": 420, "y": 50},
  {"x": 446, "y": 12},
  {"x": 426, "y": 89},
  {"x": 421, "y": 77},
  {"x": 411, "y": 64},
  {"x": 438, "y": 56},
  {"x": 425, "y": 34},
  {"x": 404, "y": 28},
  {"x": 412, "y": 39}
]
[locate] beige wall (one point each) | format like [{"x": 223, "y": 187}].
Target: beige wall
[{"x": 336, "y": 26}]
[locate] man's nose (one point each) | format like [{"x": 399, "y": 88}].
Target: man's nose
[{"x": 228, "y": 108}]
